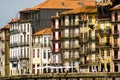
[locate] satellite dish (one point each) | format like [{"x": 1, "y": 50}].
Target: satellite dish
[{"x": 98, "y": 0}]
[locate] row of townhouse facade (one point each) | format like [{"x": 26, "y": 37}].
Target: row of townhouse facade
[
  {"x": 87, "y": 38},
  {"x": 28, "y": 52},
  {"x": 28, "y": 45}
]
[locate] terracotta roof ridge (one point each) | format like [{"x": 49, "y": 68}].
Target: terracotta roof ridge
[
  {"x": 44, "y": 3},
  {"x": 46, "y": 30}
]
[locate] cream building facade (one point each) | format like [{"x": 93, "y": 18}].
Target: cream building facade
[{"x": 41, "y": 53}]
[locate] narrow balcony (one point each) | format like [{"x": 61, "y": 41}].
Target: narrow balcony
[
  {"x": 93, "y": 62},
  {"x": 45, "y": 45},
  {"x": 24, "y": 57},
  {"x": 24, "y": 44},
  {"x": 36, "y": 44},
  {"x": 116, "y": 34},
  {"x": 14, "y": 45},
  {"x": 83, "y": 64},
  {"x": 92, "y": 50},
  {"x": 74, "y": 47},
  {"x": 104, "y": 45},
  {"x": 14, "y": 59},
  {"x": 14, "y": 31},
  {"x": 65, "y": 47},
  {"x": 93, "y": 38},
  {"x": 69, "y": 24},
  {"x": 23, "y": 31},
  {"x": 115, "y": 47},
  {"x": 104, "y": 31}
]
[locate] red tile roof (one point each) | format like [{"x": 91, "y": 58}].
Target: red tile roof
[
  {"x": 43, "y": 31},
  {"x": 87, "y": 9},
  {"x": 61, "y": 4},
  {"x": 6, "y": 27}
]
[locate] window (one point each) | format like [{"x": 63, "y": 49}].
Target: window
[
  {"x": 115, "y": 27},
  {"x": 27, "y": 51},
  {"x": 24, "y": 27},
  {"x": 115, "y": 42},
  {"x": 33, "y": 53},
  {"x": 27, "y": 38},
  {"x": 96, "y": 19},
  {"x": 44, "y": 54},
  {"x": 115, "y": 67},
  {"x": 108, "y": 52},
  {"x": 38, "y": 68},
  {"x": 38, "y": 40},
  {"x": 44, "y": 70},
  {"x": 21, "y": 53},
  {"x": 90, "y": 19},
  {"x": 21, "y": 39},
  {"x": 45, "y": 42},
  {"x": 116, "y": 16},
  {"x": 28, "y": 27},
  {"x": 115, "y": 54},
  {"x": 102, "y": 53},
  {"x": 48, "y": 54},
  {"x": 24, "y": 52},
  {"x": 38, "y": 53},
  {"x": 33, "y": 68}
]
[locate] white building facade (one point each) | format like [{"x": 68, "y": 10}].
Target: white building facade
[{"x": 20, "y": 45}]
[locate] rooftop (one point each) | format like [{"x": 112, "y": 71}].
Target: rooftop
[
  {"x": 43, "y": 31},
  {"x": 61, "y": 4},
  {"x": 82, "y": 9},
  {"x": 5, "y": 27}
]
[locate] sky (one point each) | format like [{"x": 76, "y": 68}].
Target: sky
[{"x": 10, "y": 9}]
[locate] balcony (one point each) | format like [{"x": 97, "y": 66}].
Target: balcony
[
  {"x": 104, "y": 31},
  {"x": 69, "y": 24},
  {"x": 45, "y": 45},
  {"x": 83, "y": 64},
  {"x": 92, "y": 50},
  {"x": 24, "y": 57},
  {"x": 116, "y": 34},
  {"x": 24, "y": 44},
  {"x": 104, "y": 45},
  {"x": 14, "y": 59},
  {"x": 65, "y": 47},
  {"x": 93, "y": 62},
  {"x": 14, "y": 31},
  {"x": 93, "y": 38},
  {"x": 36, "y": 44},
  {"x": 14, "y": 45},
  {"x": 115, "y": 47}
]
